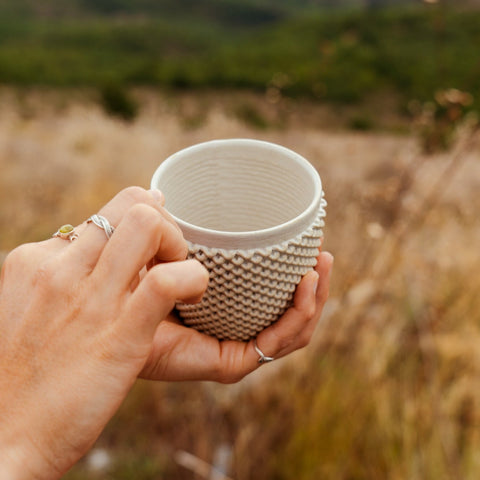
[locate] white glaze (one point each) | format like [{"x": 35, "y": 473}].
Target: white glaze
[{"x": 252, "y": 213}]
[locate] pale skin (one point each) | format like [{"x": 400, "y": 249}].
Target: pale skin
[{"x": 81, "y": 321}]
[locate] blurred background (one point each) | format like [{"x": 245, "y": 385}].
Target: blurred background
[{"x": 382, "y": 97}]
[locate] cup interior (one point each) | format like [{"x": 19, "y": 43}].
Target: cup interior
[{"x": 237, "y": 185}]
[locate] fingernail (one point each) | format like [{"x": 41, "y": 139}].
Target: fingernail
[{"x": 158, "y": 196}]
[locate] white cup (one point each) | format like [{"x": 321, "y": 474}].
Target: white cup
[{"x": 252, "y": 213}]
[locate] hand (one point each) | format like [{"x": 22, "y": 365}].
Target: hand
[
  {"x": 181, "y": 353},
  {"x": 76, "y": 328},
  {"x": 80, "y": 321}
]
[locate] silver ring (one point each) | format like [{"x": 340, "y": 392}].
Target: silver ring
[
  {"x": 103, "y": 223},
  {"x": 66, "y": 232},
  {"x": 263, "y": 358}
]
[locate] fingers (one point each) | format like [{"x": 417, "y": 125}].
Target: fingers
[
  {"x": 157, "y": 293},
  {"x": 142, "y": 234},
  {"x": 181, "y": 353},
  {"x": 86, "y": 250},
  {"x": 295, "y": 328}
]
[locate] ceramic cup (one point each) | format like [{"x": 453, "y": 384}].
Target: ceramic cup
[{"x": 252, "y": 213}]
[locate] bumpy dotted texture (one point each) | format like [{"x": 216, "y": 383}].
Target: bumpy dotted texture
[{"x": 250, "y": 289}]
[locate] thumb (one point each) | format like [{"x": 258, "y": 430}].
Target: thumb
[{"x": 157, "y": 293}]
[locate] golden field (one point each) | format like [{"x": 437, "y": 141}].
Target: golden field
[{"x": 389, "y": 387}]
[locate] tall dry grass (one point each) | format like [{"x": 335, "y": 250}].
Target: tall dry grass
[{"x": 390, "y": 386}]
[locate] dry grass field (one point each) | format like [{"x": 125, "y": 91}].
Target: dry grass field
[{"x": 390, "y": 386}]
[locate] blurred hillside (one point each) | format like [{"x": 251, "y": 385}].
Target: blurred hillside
[
  {"x": 262, "y": 10},
  {"x": 252, "y": 10},
  {"x": 407, "y": 50}
]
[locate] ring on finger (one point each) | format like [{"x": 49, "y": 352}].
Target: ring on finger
[
  {"x": 263, "y": 358},
  {"x": 102, "y": 223},
  {"x": 66, "y": 232}
]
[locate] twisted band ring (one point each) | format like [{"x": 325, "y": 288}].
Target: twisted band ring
[
  {"x": 66, "y": 232},
  {"x": 102, "y": 223},
  {"x": 263, "y": 358}
]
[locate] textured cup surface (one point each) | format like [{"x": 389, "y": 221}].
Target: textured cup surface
[{"x": 252, "y": 213}]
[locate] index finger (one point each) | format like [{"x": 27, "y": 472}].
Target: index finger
[
  {"x": 86, "y": 250},
  {"x": 142, "y": 234}
]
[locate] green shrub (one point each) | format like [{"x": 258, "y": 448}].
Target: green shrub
[
  {"x": 118, "y": 102},
  {"x": 341, "y": 56},
  {"x": 251, "y": 116}
]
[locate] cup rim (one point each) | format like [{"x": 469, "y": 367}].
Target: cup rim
[{"x": 252, "y": 239}]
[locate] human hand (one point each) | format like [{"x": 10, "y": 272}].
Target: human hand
[
  {"x": 182, "y": 353},
  {"x": 79, "y": 323},
  {"x": 76, "y": 328}
]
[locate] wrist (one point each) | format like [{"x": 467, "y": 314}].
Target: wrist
[
  {"x": 20, "y": 462},
  {"x": 13, "y": 465}
]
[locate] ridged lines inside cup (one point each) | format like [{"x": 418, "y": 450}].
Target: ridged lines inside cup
[{"x": 235, "y": 193}]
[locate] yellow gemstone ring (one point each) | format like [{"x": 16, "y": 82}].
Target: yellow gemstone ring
[{"x": 67, "y": 232}]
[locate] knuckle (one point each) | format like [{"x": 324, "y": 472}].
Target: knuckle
[
  {"x": 52, "y": 278},
  {"x": 284, "y": 341},
  {"x": 307, "y": 310},
  {"x": 145, "y": 219},
  {"x": 310, "y": 310},
  {"x": 135, "y": 194},
  {"x": 304, "y": 339},
  {"x": 226, "y": 370},
  {"x": 148, "y": 220},
  {"x": 182, "y": 248},
  {"x": 143, "y": 213},
  {"x": 178, "y": 250},
  {"x": 143, "y": 216},
  {"x": 19, "y": 255},
  {"x": 23, "y": 261}
]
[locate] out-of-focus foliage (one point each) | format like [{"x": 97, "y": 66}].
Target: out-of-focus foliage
[
  {"x": 337, "y": 55},
  {"x": 389, "y": 387},
  {"x": 116, "y": 101},
  {"x": 439, "y": 120},
  {"x": 239, "y": 10}
]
